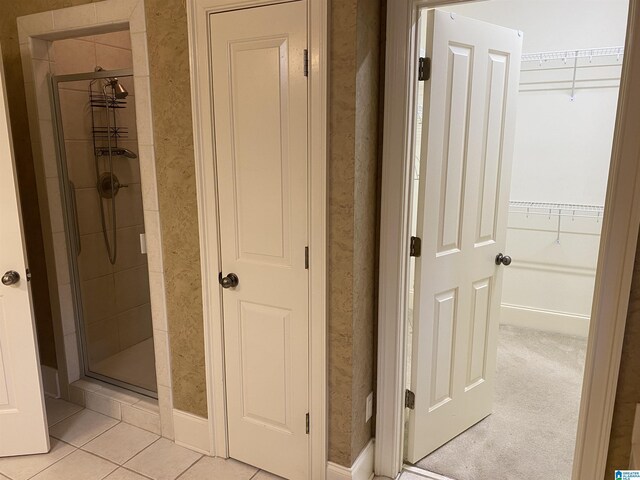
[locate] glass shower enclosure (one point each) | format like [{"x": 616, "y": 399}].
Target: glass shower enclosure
[{"x": 95, "y": 123}]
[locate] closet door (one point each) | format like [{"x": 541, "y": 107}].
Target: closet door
[
  {"x": 466, "y": 151},
  {"x": 23, "y": 425},
  {"x": 260, "y": 112}
]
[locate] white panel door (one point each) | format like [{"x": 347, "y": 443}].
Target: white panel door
[
  {"x": 260, "y": 114},
  {"x": 466, "y": 151},
  {"x": 23, "y": 425}
]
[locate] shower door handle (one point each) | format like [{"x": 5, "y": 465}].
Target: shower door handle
[
  {"x": 76, "y": 222},
  {"x": 10, "y": 278}
]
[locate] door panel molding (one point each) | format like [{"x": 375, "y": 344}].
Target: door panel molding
[
  {"x": 615, "y": 264},
  {"x": 198, "y": 24}
]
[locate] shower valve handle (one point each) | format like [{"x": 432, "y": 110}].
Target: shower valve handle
[{"x": 230, "y": 281}]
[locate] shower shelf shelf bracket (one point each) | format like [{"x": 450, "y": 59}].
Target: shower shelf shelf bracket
[{"x": 558, "y": 210}]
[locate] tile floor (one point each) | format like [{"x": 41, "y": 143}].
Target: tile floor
[{"x": 86, "y": 445}]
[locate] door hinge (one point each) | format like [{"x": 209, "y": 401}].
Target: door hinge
[
  {"x": 307, "y": 424},
  {"x": 306, "y": 258},
  {"x": 409, "y": 399},
  {"x": 424, "y": 69},
  {"x": 306, "y": 62},
  {"x": 415, "y": 248}
]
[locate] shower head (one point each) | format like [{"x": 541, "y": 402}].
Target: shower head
[{"x": 118, "y": 90}]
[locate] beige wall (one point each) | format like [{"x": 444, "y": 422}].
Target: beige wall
[
  {"x": 175, "y": 171},
  {"x": 353, "y": 102}
]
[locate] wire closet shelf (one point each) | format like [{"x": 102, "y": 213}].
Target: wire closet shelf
[
  {"x": 567, "y": 55},
  {"x": 597, "y": 71},
  {"x": 557, "y": 210}
]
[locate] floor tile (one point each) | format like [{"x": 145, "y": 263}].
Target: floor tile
[
  {"x": 78, "y": 466},
  {"x": 26, "y": 466},
  {"x": 82, "y": 427},
  {"x": 261, "y": 475},
  {"x": 164, "y": 460},
  {"x": 121, "y": 443},
  {"x": 58, "y": 409},
  {"x": 124, "y": 474},
  {"x": 209, "y": 468}
]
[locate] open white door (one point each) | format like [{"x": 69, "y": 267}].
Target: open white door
[
  {"x": 466, "y": 152},
  {"x": 260, "y": 113},
  {"x": 23, "y": 425}
]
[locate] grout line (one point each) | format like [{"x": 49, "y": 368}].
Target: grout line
[
  {"x": 145, "y": 448},
  {"x": 61, "y": 458},
  {"x": 108, "y": 459},
  {"x": 64, "y": 418},
  {"x": 190, "y": 465},
  {"x": 133, "y": 471}
]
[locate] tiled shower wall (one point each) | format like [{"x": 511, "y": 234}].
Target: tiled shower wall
[{"x": 117, "y": 311}]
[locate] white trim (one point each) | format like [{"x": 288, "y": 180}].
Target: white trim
[
  {"x": 394, "y": 242},
  {"x": 545, "y": 320},
  {"x": 419, "y": 472},
  {"x": 615, "y": 264},
  {"x": 88, "y": 19},
  {"x": 614, "y": 271},
  {"x": 198, "y": 12},
  {"x": 191, "y": 431},
  {"x": 362, "y": 468},
  {"x": 50, "y": 383}
]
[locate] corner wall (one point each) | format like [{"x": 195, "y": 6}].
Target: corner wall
[{"x": 354, "y": 63}]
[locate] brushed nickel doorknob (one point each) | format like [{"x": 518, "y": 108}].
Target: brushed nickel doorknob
[{"x": 10, "y": 278}]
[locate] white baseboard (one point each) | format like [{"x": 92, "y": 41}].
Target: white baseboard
[
  {"x": 362, "y": 468},
  {"x": 545, "y": 320},
  {"x": 191, "y": 431},
  {"x": 50, "y": 382}
]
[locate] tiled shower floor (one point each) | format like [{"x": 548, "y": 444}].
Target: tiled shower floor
[
  {"x": 86, "y": 445},
  {"x": 134, "y": 365}
]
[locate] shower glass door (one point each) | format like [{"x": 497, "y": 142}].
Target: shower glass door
[{"x": 102, "y": 203}]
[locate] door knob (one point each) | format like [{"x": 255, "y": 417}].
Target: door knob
[
  {"x": 503, "y": 259},
  {"x": 10, "y": 278},
  {"x": 230, "y": 281}
]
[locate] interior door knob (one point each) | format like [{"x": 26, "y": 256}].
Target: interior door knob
[
  {"x": 230, "y": 281},
  {"x": 503, "y": 259},
  {"x": 10, "y": 278}
]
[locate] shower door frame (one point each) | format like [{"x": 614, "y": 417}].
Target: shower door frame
[{"x": 72, "y": 233}]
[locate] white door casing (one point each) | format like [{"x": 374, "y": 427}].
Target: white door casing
[
  {"x": 23, "y": 424},
  {"x": 260, "y": 115},
  {"x": 467, "y": 149}
]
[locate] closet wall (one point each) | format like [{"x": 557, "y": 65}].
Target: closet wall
[{"x": 562, "y": 153}]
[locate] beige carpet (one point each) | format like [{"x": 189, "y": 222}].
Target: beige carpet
[{"x": 531, "y": 433}]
